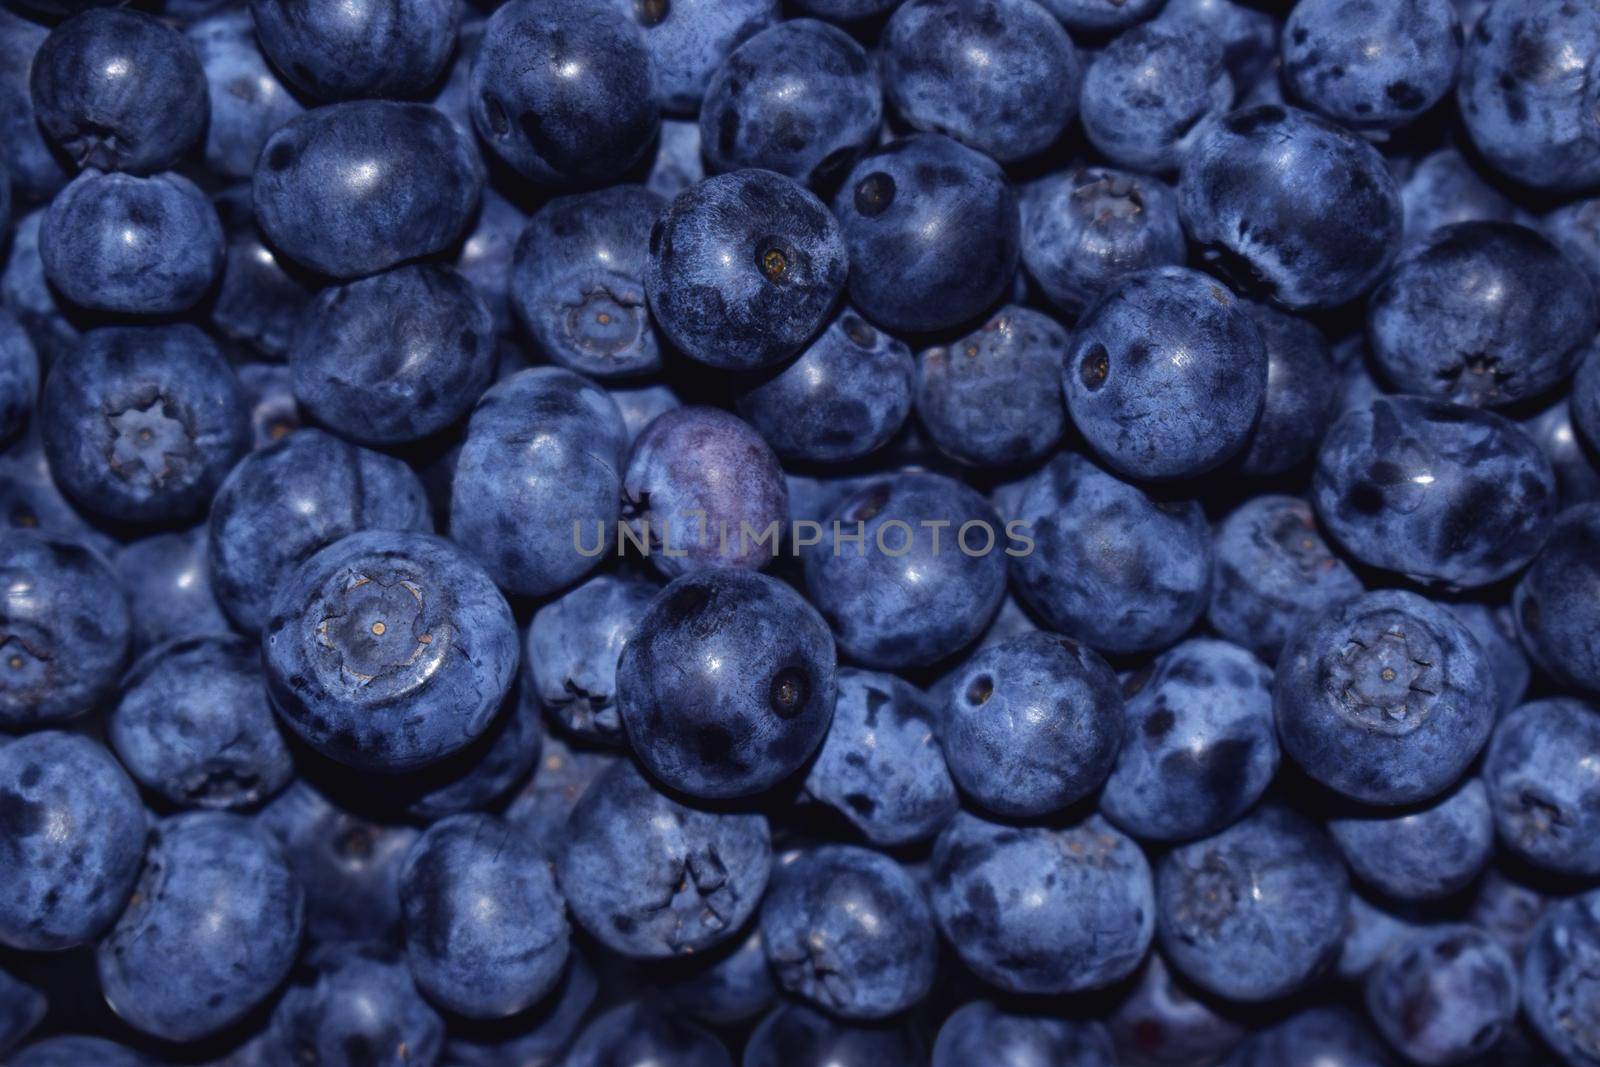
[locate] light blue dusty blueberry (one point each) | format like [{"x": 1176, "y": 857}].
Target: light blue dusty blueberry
[
  {"x": 908, "y": 601},
  {"x": 1440, "y": 492},
  {"x": 247, "y": 100},
  {"x": 1557, "y": 608},
  {"x": 257, "y": 302},
  {"x": 1160, "y": 1023},
  {"x": 577, "y": 281},
  {"x": 19, "y": 377},
  {"x": 1425, "y": 853},
  {"x": 981, "y": 1032},
  {"x": 1507, "y": 909},
  {"x": 50, "y": 321},
  {"x": 650, "y": 877},
  {"x": 1545, "y": 787},
  {"x": 1040, "y": 910},
  {"x": 800, "y": 98},
  {"x": 1249, "y": 35},
  {"x": 537, "y": 489},
  {"x": 487, "y": 255},
  {"x": 74, "y": 832},
  {"x": 1273, "y": 878},
  {"x": 536, "y": 1037},
  {"x": 480, "y": 774},
  {"x": 1575, "y": 229},
  {"x": 1199, "y": 745},
  {"x": 1291, "y": 206},
  {"x": 542, "y": 805},
  {"x": 564, "y": 93},
  {"x": 932, "y": 231},
  {"x": 72, "y": 1050},
  {"x": 848, "y": 930},
  {"x": 1445, "y": 188},
  {"x": 1444, "y": 996},
  {"x": 1330, "y": 1035},
  {"x": 36, "y": 172},
  {"x": 331, "y": 50},
  {"x": 1110, "y": 565},
  {"x": 354, "y": 188},
  {"x": 355, "y": 1005},
  {"x": 119, "y": 90},
  {"x": 794, "y": 1035},
  {"x": 846, "y": 394},
  {"x": 1386, "y": 698},
  {"x": 729, "y": 985},
  {"x": 640, "y": 1032},
  {"x": 22, "y": 1009},
  {"x": 688, "y": 40},
  {"x": 1371, "y": 65},
  {"x": 1560, "y": 989},
  {"x": 678, "y": 163},
  {"x": 1496, "y": 630},
  {"x": 485, "y": 929},
  {"x": 1148, "y": 94},
  {"x": 1032, "y": 724},
  {"x": 141, "y": 246},
  {"x": 572, "y": 649},
  {"x": 744, "y": 269},
  {"x": 1302, "y": 394},
  {"x": 1101, "y": 17},
  {"x": 269, "y": 393}
]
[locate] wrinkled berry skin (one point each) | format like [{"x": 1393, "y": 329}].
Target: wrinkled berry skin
[
  {"x": 636, "y": 1032},
  {"x": 283, "y": 503},
  {"x": 485, "y": 929},
  {"x": 1147, "y": 95},
  {"x": 564, "y": 92},
  {"x": 1556, "y": 607},
  {"x": 358, "y": 1005},
  {"x": 75, "y": 832},
  {"x": 1525, "y": 96},
  {"x": 1032, "y": 725},
  {"x": 800, "y": 98},
  {"x": 848, "y": 930},
  {"x": 394, "y": 357},
  {"x": 688, "y": 41},
  {"x": 744, "y": 269},
  {"x": 1043, "y": 911},
  {"x": 1448, "y": 994},
  {"x": 794, "y": 1035},
  {"x": 980, "y": 1032},
  {"x": 1167, "y": 374},
  {"x": 1443, "y": 493},
  {"x": 572, "y": 650},
  {"x": 119, "y": 90},
  {"x": 389, "y": 650},
  {"x": 1423, "y": 854},
  {"x": 330, "y": 50},
  {"x": 36, "y": 171},
  {"x": 727, "y": 683},
  {"x": 351, "y": 189},
  {"x": 1160, "y": 1023},
  {"x": 1274, "y": 877},
  {"x": 1444, "y": 188},
  {"x": 168, "y": 583},
  {"x": 248, "y": 101},
  {"x": 846, "y": 394},
  {"x": 933, "y": 233},
  {"x": 1296, "y": 207},
  {"x": 577, "y": 281},
  {"x": 1302, "y": 393},
  {"x": 1111, "y": 566},
  {"x": 1544, "y": 785},
  {"x": 211, "y": 930},
  {"x": 1371, "y": 65},
  {"x": 1559, "y": 987},
  {"x": 172, "y": 258},
  {"x": 1199, "y": 745},
  {"x": 628, "y": 848},
  {"x": 1385, "y": 698},
  {"x": 880, "y": 615},
  {"x": 1481, "y": 313}
]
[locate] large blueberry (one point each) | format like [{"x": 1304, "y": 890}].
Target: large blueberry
[
  {"x": 248, "y": 102},
  {"x": 1560, "y": 987},
  {"x": 982, "y": 1032},
  {"x": 356, "y": 1005},
  {"x": 1558, "y": 600},
  {"x": 351, "y": 49},
  {"x": 1369, "y": 64},
  {"x": 1149, "y": 93},
  {"x": 1544, "y": 784},
  {"x": 794, "y": 1035},
  {"x": 1424, "y": 853},
  {"x": 1302, "y": 393},
  {"x": 573, "y": 646},
  {"x": 1444, "y": 996},
  {"x": 689, "y": 39}
]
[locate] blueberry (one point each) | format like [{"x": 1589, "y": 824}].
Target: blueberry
[
  {"x": 281, "y": 504},
  {"x": 247, "y": 100},
  {"x": 689, "y": 39},
  {"x": 729, "y": 985},
  {"x": 1444, "y": 996},
  {"x": 572, "y": 650},
  {"x": 1507, "y": 910},
  {"x": 848, "y": 930},
  {"x": 545, "y": 801},
  {"x": 1160, "y": 1023},
  {"x": 354, "y": 188},
  {"x": 1302, "y": 393},
  {"x": 1372, "y": 931},
  {"x": 727, "y": 683},
  {"x": 1560, "y": 991},
  {"x": 1444, "y": 188},
  {"x": 1291, "y": 205},
  {"x": 794, "y": 1035},
  {"x": 1149, "y": 93},
  {"x": 35, "y": 170},
  {"x": 74, "y": 831},
  {"x": 330, "y": 50},
  {"x": 1545, "y": 787},
  {"x": 357, "y": 1005},
  {"x": 1440, "y": 492},
  {"x": 30, "y": 500},
  {"x": 678, "y": 163},
  {"x": 1421, "y": 854},
  {"x": 269, "y": 392},
  {"x": 744, "y": 269},
  {"x": 640, "y": 404},
  {"x": 1328, "y": 1036},
  {"x": 1371, "y": 65},
  {"x": 981, "y": 1032},
  {"x": 257, "y": 302},
  {"x": 536, "y": 1037},
  {"x": 577, "y": 281},
  {"x": 73, "y": 1050},
  {"x": 1556, "y": 601},
  {"x": 480, "y": 774},
  {"x": 1385, "y": 698},
  {"x": 487, "y": 255},
  {"x": 1093, "y": 17},
  {"x": 119, "y": 90},
  {"x": 1273, "y": 878},
  {"x": 650, "y": 877},
  {"x": 933, "y": 233},
  {"x": 1042, "y": 910},
  {"x": 800, "y": 98},
  {"x": 639, "y": 1034},
  {"x": 19, "y": 377}
]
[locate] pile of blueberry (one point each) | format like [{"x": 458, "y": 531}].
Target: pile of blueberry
[{"x": 800, "y": 533}]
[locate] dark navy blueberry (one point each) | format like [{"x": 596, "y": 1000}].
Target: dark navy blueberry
[
  {"x": 480, "y": 774},
  {"x": 22, "y": 1009},
  {"x": 1248, "y": 34},
  {"x": 564, "y": 93},
  {"x": 1272, "y": 879},
  {"x": 269, "y": 392},
  {"x": 356, "y": 1006},
  {"x": 1385, "y": 698},
  {"x": 248, "y": 102},
  {"x": 485, "y": 929},
  {"x": 1167, "y": 374},
  {"x": 1043, "y": 910},
  {"x": 729, "y": 985},
  {"x": 536, "y": 1037},
  {"x": 144, "y": 246},
  {"x": 283, "y": 503},
  {"x": 1160, "y": 1023},
  {"x": 727, "y": 683},
  {"x": 1098, "y": 17},
  {"x": 1445, "y": 188},
  {"x": 841, "y": 399},
  {"x": 689, "y": 39},
  {"x": 1446, "y": 995},
  {"x": 572, "y": 650},
  {"x": 1291, "y": 205},
  {"x": 257, "y": 303},
  {"x": 1575, "y": 229},
  {"x": 389, "y": 650},
  {"x": 1369, "y": 64},
  {"x": 1496, "y": 630},
  {"x": 800, "y": 98},
  {"x": 1302, "y": 394},
  {"x": 64, "y": 629},
  {"x": 744, "y": 269},
  {"x": 577, "y": 281},
  {"x": 933, "y": 233},
  {"x": 72, "y": 1050},
  {"x": 1560, "y": 989},
  {"x": 1085, "y": 227},
  {"x": 1421, "y": 854},
  {"x": 1148, "y": 94},
  {"x": 678, "y": 163},
  {"x": 211, "y": 930},
  {"x": 1558, "y": 601},
  {"x": 344, "y": 50},
  {"x": 980, "y": 1032},
  {"x": 637, "y": 1033},
  {"x": 1325, "y": 1036},
  {"x": 350, "y": 189},
  {"x": 35, "y": 169},
  {"x": 1199, "y": 745},
  {"x": 544, "y": 802},
  {"x": 1545, "y": 786},
  {"x": 487, "y": 255},
  {"x": 537, "y": 489},
  {"x": 794, "y": 1035},
  {"x": 19, "y": 377},
  {"x": 74, "y": 834},
  {"x": 897, "y": 597},
  {"x": 1109, "y": 565},
  {"x": 650, "y": 877},
  {"x": 119, "y": 90}
]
